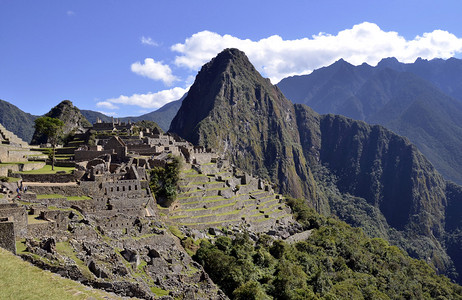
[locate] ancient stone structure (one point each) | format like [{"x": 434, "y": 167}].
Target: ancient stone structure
[
  {"x": 7, "y": 236},
  {"x": 115, "y": 125},
  {"x": 9, "y": 138},
  {"x": 106, "y": 217}
]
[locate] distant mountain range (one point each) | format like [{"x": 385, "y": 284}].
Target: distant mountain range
[
  {"x": 366, "y": 175},
  {"x": 22, "y": 123},
  {"x": 17, "y": 121},
  {"x": 163, "y": 116},
  {"x": 421, "y": 101}
]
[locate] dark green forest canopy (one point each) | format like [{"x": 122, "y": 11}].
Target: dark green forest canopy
[{"x": 337, "y": 261}]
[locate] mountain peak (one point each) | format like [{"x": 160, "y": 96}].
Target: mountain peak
[
  {"x": 233, "y": 109},
  {"x": 342, "y": 62},
  {"x": 390, "y": 62},
  {"x": 73, "y": 120},
  {"x": 231, "y": 53},
  {"x": 216, "y": 85}
]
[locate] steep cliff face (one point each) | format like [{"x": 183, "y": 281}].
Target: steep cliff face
[
  {"x": 413, "y": 100},
  {"x": 233, "y": 109},
  {"x": 385, "y": 169},
  {"x": 73, "y": 120},
  {"x": 366, "y": 174}
]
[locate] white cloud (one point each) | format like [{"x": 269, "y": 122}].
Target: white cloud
[
  {"x": 154, "y": 70},
  {"x": 277, "y": 58},
  {"x": 149, "y": 100},
  {"x": 148, "y": 41},
  {"x": 108, "y": 113},
  {"x": 106, "y": 105}
]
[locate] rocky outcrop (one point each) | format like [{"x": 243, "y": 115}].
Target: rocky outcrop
[{"x": 74, "y": 121}]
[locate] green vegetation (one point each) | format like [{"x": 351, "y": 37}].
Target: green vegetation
[
  {"x": 176, "y": 232},
  {"x": 56, "y": 196},
  {"x": 335, "y": 262},
  {"x": 49, "y": 196},
  {"x": 65, "y": 248},
  {"x": 158, "y": 291},
  {"x": 144, "y": 124},
  {"x": 53, "y": 129},
  {"x": 21, "y": 280},
  {"x": 48, "y": 169},
  {"x": 33, "y": 219},
  {"x": 17, "y": 121},
  {"x": 164, "y": 181},
  {"x": 77, "y": 198}
]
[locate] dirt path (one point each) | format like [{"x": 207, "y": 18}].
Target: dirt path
[{"x": 49, "y": 183}]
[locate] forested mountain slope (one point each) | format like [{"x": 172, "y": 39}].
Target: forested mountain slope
[{"x": 365, "y": 174}]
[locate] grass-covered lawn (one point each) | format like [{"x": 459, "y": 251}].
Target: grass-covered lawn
[
  {"x": 17, "y": 163},
  {"x": 21, "y": 280},
  {"x": 77, "y": 198},
  {"x": 55, "y": 196},
  {"x": 50, "y": 196},
  {"x": 47, "y": 170},
  {"x": 9, "y": 179},
  {"x": 32, "y": 219}
]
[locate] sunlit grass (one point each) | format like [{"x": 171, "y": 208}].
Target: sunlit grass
[
  {"x": 21, "y": 280},
  {"x": 47, "y": 170}
]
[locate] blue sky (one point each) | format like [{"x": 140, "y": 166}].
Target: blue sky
[{"x": 131, "y": 57}]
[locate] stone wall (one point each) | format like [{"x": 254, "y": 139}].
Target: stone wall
[
  {"x": 61, "y": 218},
  {"x": 85, "y": 155},
  {"x": 40, "y": 229},
  {"x": 66, "y": 190},
  {"x": 117, "y": 222},
  {"x": 132, "y": 207},
  {"x": 54, "y": 178},
  {"x": 20, "y": 167},
  {"x": 7, "y": 237},
  {"x": 13, "y": 154},
  {"x": 16, "y": 214},
  {"x": 122, "y": 188}
]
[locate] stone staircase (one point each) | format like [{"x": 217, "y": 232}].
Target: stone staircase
[
  {"x": 221, "y": 197},
  {"x": 7, "y": 137}
]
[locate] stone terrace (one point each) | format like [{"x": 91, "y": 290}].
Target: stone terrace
[{"x": 211, "y": 196}]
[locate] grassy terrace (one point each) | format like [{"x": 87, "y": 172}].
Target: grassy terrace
[
  {"x": 32, "y": 219},
  {"x": 209, "y": 223},
  {"x": 21, "y": 280},
  {"x": 47, "y": 170},
  {"x": 58, "y": 196},
  {"x": 206, "y": 190},
  {"x": 207, "y": 209},
  {"x": 208, "y": 199},
  {"x": 17, "y": 163},
  {"x": 10, "y": 179}
]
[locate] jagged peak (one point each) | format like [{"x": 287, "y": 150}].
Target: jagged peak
[
  {"x": 216, "y": 84},
  {"x": 342, "y": 62},
  {"x": 388, "y": 60},
  {"x": 420, "y": 60},
  {"x": 227, "y": 58}
]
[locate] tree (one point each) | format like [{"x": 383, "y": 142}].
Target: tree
[
  {"x": 163, "y": 181},
  {"x": 53, "y": 129}
]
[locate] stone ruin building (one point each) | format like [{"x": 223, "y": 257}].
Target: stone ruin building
[{"x": 115, "y": 210}]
